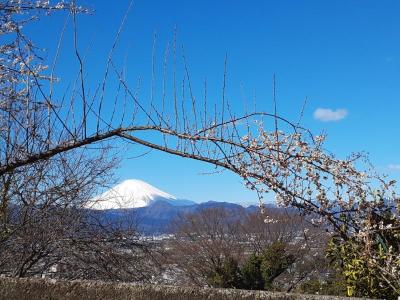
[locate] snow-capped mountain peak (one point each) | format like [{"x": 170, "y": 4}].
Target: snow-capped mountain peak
[{"x": 130, "y": 193}]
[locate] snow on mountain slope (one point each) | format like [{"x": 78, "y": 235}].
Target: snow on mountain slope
[{"x": 130, "y": 193}]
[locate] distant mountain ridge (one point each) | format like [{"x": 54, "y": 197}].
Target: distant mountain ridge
[
  {"x": 150, "y": 209},
  {"x": 158, "y": 216}
]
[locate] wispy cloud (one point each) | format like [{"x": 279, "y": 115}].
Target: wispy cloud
[
  {"x": 330, "y": 115},
  {"x": 394, "y": 167}
]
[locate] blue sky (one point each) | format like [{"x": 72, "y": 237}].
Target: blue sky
[{"x": 340, "y": 55}]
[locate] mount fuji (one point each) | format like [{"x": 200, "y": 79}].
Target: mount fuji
[
  {"x": 152, "y": 209},
  {"x": 133, "y": 193}
]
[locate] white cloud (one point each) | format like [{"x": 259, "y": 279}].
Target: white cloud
[
  {"x": 329, "y": 115},
  {"x": 394, "y": 167}
]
